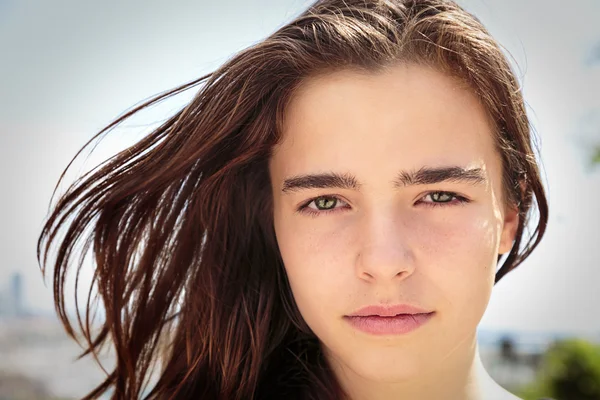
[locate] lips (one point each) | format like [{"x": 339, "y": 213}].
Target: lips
[
  {"x": 396, "y": 325},
  {"x": 385, "y": 310}
]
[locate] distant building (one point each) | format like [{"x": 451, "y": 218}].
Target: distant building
[
  {"x": 12, "y": 299},
  {"x": 4, "y": 307},
  {"x": 16, "y": 294}
]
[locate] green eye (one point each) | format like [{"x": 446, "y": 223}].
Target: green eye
[
  {"x": 325, "y": 203},
  {"x": 322, "y": 205},
  {"x": 441, "y": 197}
]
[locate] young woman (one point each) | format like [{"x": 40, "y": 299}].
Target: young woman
[{"x": 324, "y": 220}]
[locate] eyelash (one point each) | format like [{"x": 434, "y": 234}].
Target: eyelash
[{"x": 458, "y": 200}]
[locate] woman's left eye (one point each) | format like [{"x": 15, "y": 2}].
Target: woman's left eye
[
  {"x": 442, "y": 199},
  {"x": 327, "y": 204}
]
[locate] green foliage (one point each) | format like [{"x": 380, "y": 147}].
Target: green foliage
[
  {"x": 596, "y": 155},
  {"x": 569, "y": 370}
]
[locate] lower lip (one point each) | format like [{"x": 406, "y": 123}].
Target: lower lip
[{"x": 397, "y": 325}]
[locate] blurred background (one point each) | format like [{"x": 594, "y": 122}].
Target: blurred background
[{"x": 68, "y": 68}]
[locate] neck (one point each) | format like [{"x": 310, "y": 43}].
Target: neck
[{"x": 459, "y": 376}]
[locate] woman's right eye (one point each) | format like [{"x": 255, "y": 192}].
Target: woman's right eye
[{"x": 323, "y": 205}]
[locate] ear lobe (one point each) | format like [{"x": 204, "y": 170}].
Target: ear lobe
[{"x": 509, "y": 229}]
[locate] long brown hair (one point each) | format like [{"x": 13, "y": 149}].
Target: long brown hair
[{"x": 180, "y": 225}]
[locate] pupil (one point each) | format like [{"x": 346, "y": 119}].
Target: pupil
[
  {"x": 441, "y": 197},
  {"x": 325, "y": 202}
]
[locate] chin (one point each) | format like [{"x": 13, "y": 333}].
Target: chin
[{"x": 385, "y": 370}]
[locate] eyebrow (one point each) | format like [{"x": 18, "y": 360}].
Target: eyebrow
[{"x": 422, "y": 176}]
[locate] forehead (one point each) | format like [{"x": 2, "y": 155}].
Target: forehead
[{"x": 406, "y": 115}]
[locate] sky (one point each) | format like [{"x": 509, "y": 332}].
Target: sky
[{"x": 69, "y": 68}]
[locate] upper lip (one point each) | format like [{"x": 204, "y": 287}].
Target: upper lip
[{"x": 388, "y": 310}]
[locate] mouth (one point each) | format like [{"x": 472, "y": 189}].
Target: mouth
[
  {"x": 397, "y": 324},
  {"x": 386, "y": 310}
]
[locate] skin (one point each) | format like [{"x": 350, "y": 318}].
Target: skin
[{"x": 382, "y": 244}]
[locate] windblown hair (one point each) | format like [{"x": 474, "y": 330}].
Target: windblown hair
[{"x": 180, "y": 225}]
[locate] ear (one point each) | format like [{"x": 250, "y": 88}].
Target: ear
[{"x": 509, "y": 229}]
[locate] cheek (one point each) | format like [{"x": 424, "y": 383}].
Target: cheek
[
  {"x": 461, "y": 241},
  {"x": 318, "y": 273},
  {"x": 459, "y": 256}
]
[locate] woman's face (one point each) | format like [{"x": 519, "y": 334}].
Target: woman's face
[{"x": 384, "y": 234}]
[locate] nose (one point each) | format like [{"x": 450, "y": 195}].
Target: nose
[{"x": 385, "y": 251}]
